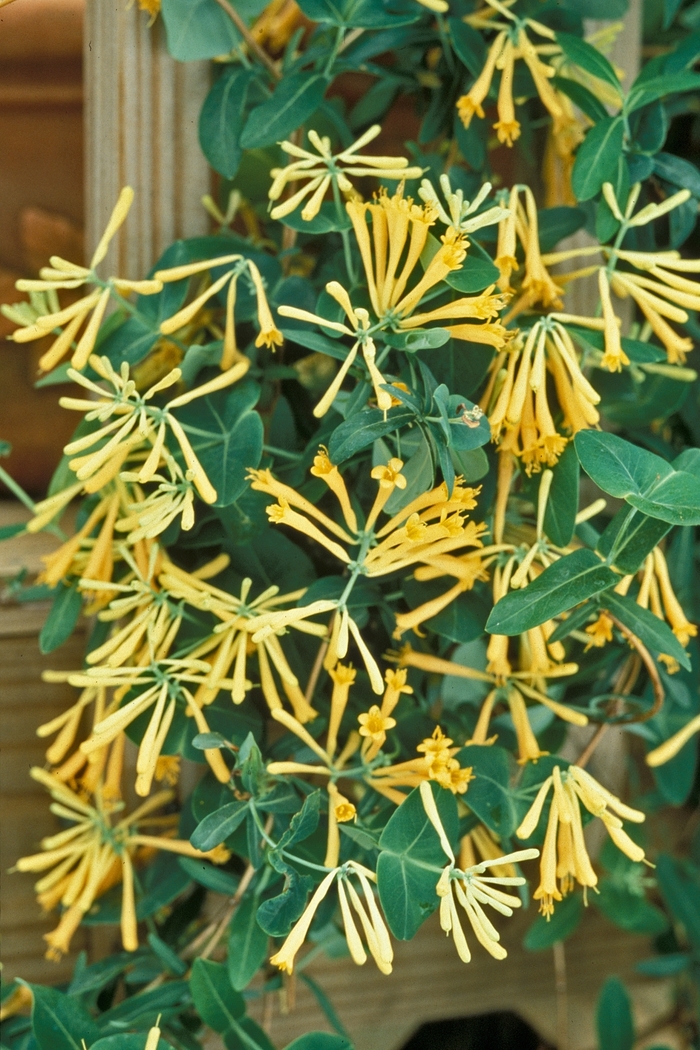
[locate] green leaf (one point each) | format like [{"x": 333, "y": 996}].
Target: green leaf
[
  {"x": 640, "y": 537},
  {"x": 596, "y": 159},
  {"x": 582, "y": 97},
  {"x": 678, "y": 172},
  {"x": 227, "y": 436},
  {"x": 303, "y": 823},
  {"x": 628, "y": 910},
  {"x": 59, "y": 1021},
  {"x": 650, "y": 630},
  {"x": 8, "y": 531},
  {"x": 247, "y": 1035},
  {"x": 217, "y": 826},
  {"x": 320, "y": 1041},
  {"x": 476, "y": 274},
  {"x": 554, "y": 224},
  {"x": 682, "y": 895},
  {"x": 646, "y": 481},
  {"x": 567, "y": 916},
  {"x": 418, "y": 339},
  {"x": 166, "y": 955},
  {"x": 587, "y": 57},
  {"x": 560, "y": 514},
  {"x": 216, "y": 1001},
  {"x": 209, "y": 875},
  {"x": 361, "y": 14},
  {"x": 277, "y": 914},
  {"x": 411, "y": 861},
  {"x": 247, "y": 944},
  {"x": 361, "y": 429},
  {"x": 294, "y": 100},
  {"x": 62, "y": 618},
  {"x": 197, "y": 29},
  {"x": 327, "y": 221},
  {"x": 665, "y": 965},
  {"x": 145, "y": 1007},
  {"x": 641, "y": 94},
  {"x": 488, "y": 795},
  {"x": 221, "y": 121},
  {"x": 562, "y": 585},
  {"x": 468, "y": 45},
  {"x": 614, "y": 1017},
  {"x": 324, "y": 1002}
]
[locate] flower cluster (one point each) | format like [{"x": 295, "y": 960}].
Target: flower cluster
[{"x": 564, "y": 855}]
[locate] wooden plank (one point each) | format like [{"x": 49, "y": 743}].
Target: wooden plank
[{"x": 142, "y": 111}]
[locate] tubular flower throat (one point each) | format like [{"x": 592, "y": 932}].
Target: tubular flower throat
[
  {"x": 90, "y": 308},
  {"x": 564, "y": 854},
  {"x": 94, "y": 853},
  {"x": 471, "y": 888},
  {"x": 436, "y": 762}
]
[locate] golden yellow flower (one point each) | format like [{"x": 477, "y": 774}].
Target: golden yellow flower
[
  {"x": 135, "y": 423},
  {"x": 321, "y": 168},
  {"x": 371, "y": 920},
  {"x": 670, "y": 748},
  {"x": 600, "y": 632},
  {"x": 564, "y": 855},
  {"x": 237, "y": 266},
  {"x": 227, "y": 650},
  {"x": 93, "y": 853},
  {"x": 90, "y": 308},
  {"x": 430, "y": 525},
  {"x": 472, "y": 888}
]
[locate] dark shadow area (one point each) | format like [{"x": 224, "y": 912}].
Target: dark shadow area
[{"x": 496, "y": 1031}]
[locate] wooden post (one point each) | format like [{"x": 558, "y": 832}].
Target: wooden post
[{"x": 141, "y": 116}]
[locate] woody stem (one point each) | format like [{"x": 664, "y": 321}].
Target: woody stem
[{"x": 250, "y": 40}]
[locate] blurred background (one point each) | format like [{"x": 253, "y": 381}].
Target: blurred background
[{"x": 41, "y": 204}]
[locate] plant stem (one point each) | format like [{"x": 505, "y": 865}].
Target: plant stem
[
  {"x": 17, "y": 490},
  {"x": 344, "y": 235},
  {"x": 282, "y": 454},
  {"x": 561, "y": 995},
  {"x": 250, "y": 40}
]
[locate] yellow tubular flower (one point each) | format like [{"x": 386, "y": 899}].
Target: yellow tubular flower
[
  {"x": 268, "y": 336},
  {"x": 670, "y": 748},
  {"x": 472, "y": 888},
  {"x": 681, "y": 627},
  {"x": 437, "y": 763},
  {"x": 135, "y": 423},
  {"x": 91, "y": 308},
  {"x": 564, "y": 855},
  {"x": 234, "y": 639},
  {"x": 506, "y": 127},
  {"x": 614, "y": 357},
  {"x": 471, "y": 103},
  {"x": 322, "y": 167},
  {"x": 374, "y": 927},
  {"x": 94, "y": 853}
]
